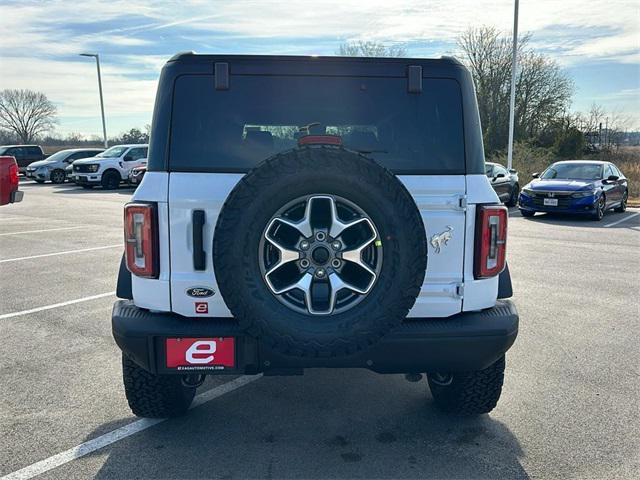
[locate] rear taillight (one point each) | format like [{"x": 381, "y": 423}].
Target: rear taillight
[
  {"x": 141, "y": 239},
  {"x": 491, "y": 240},
  {"x": 14, "y": 181}
]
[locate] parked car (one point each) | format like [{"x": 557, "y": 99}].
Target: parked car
[
  {"x": 9, "y": 181},
  {"x": 53, "y": 167},
  {"x": 110, "y": 167},
  {"x": 585, "y": 187},
  {"x": 262, "y": 250},
  {"x": 136, "y": 174},
  {"x": 24, "y": 154},
  {"x": 504, "y": 182}
]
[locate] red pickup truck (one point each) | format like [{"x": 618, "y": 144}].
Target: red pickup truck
[{"x": 9, "y": 192}]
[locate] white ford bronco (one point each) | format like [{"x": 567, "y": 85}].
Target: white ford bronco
[
  {"x": 110, "y": 167},
  {"x": 302, "y": 212}
]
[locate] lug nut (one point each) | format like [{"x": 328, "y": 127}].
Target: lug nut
[
  {"x": 320, "y": 273},
  {"x": 335, "y": 263},
  {"x": 336, "y": 245},
  {"x": 320, "y": 236},
  {"x": 304, "y": 245},
  {"x": 304, "y": 263}
]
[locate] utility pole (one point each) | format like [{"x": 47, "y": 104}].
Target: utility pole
[
  {"x": 104, "y": 126},
  {"x": 512, "y": 99}
]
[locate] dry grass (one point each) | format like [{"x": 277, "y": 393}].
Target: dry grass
[{"x": 627, "y": 160}]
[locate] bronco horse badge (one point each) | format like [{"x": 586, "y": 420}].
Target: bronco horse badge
[{"x": 440, "y": 239}]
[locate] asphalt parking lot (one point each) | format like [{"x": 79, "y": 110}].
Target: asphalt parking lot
[{"x": 570, "y": 407}]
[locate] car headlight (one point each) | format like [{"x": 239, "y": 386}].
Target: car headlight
[
  {"x": 527, "y": 191},
  {"x": 94, "y": 168},
  {"x": 587, "y": 193}
]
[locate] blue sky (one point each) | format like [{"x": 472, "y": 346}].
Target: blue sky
[{"x": 598, "y": 44}]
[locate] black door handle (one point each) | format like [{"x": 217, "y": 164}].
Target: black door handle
[{"x": 199, "y": 255}]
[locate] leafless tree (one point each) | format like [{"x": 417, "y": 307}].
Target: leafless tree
[
  {"x": 26, "y": 113},
  {"x": 543, "y": 91},
  {"x": 370, "y": 49}
]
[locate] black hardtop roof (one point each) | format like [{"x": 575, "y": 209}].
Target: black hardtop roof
[{"x": 192, "y": 57}]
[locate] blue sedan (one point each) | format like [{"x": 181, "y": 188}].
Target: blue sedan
[{"x": 586, "y": 187}]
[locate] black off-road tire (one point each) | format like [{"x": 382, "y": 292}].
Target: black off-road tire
[
  {"x": 468, "y": 393},
  {"x": 110, "y": 180},
  {"x": 57, "y": 176},
  {"x": 513, "y": 198},
  {"x": 154, "y": 396},
  {"x": 307, "y": 171}
]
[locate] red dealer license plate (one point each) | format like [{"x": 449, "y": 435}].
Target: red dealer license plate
[{"x": 200, "y": 353}]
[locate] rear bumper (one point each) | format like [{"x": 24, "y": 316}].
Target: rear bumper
[{"x": 464, "y": 342}]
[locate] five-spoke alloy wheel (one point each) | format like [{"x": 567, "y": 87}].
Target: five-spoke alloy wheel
[{"x": 320, "y": 254}]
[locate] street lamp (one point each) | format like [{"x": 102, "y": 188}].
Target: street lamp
[
  {"x": 104, "y": 126},
  {"x": 512, "y": 99}
]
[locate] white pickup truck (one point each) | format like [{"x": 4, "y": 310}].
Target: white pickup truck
[{"x": 110, "y": 167}]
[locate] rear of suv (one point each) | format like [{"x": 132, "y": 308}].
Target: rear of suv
[
  {"x": 109, "y": 168},
  {"x": 303, "y": 212}
]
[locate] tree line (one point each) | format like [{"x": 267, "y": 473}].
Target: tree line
[{"x": 543, "y": 118}]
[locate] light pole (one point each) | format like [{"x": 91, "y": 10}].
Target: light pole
[
  {"x": 512, "y": 99},
  {"x": 104, "y": 126}
]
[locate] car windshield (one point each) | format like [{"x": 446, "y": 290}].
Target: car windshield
[
  {"x": 112, "y": 152},
  {"x": 573, "y": 171},
  {"x": 58, "y": 156}
]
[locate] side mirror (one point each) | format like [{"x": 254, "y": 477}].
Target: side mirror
[
  {"x": 535, "y": 175},
  {"x": 613, "y": 178}
]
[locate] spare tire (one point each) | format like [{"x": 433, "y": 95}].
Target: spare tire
[{"x": 319, "y": 251}]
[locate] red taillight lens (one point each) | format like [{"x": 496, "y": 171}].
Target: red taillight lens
[
  {"x": 491, "y": 240},
  {"x": 320, "y": 140},
  {"x": 14, "y": 181},
  {"x": 141, "y": 239}
]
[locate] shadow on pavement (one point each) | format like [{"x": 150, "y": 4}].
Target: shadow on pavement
[
  {"x": 583, "y": 220},
  {"x": 326, "y": 424},
  {"x": 69, "y": 189}
]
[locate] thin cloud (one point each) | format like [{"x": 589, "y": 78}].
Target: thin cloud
[{"x": 135, "y": 38}]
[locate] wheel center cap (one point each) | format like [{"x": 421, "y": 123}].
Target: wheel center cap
[{"x": 320, "y": 255}]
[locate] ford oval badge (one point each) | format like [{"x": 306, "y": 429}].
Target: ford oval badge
[{"x": 200, "y": 292}]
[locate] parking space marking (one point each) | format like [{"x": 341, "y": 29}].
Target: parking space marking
[
  {"x": 43, "y": 230},
  {"x": 90, "y": 446},
  {"x": 621, "y": 220},
  {"x": 66, "y": 252},
  {"x": 55, "y": 305}
]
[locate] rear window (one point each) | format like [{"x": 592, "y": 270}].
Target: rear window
[{"x": 233, "y": 130}]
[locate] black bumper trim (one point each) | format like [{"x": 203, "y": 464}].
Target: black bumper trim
[{"x": 464, "y": 342}]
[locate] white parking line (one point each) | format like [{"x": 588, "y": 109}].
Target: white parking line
[
  {"x": 90, "y": 446},
  {"x": 621, "y": 220},
  {"x": 55, "y": 305},
  {"x": 43, "y": 230},
  {"x": 66, "y": 252}
]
